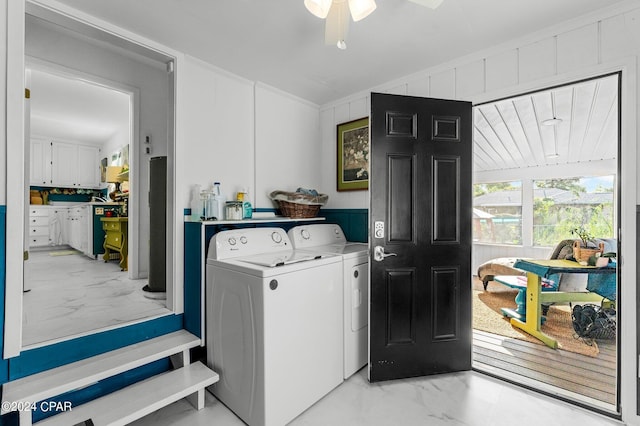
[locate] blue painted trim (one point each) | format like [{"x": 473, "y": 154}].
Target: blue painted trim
[
  {"x": 354, "y": 222},
  {"x": 47, "y": 357},
  {"x": 192, "y": 275},
  {"x": 4, "y": 364},
  {"x": 193, "y": 258}
]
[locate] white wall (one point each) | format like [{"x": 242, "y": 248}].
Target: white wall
[
  {"x": 287, "y": 144},
  {"x": 216, "y": 143},
  {"x": 243, "y": 135},
  {"x": 599, "y": 43},
  {"x": 114, "y": 144},
  {"x": 329, "y": 118}
]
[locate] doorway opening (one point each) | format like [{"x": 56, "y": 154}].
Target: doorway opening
[
  {"x": 80, "y": 134},
  {"x": 546, "y": 163},
  {"x": 81, "y": 52}
]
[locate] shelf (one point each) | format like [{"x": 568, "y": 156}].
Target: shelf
[{"x": 261, "y": 220}]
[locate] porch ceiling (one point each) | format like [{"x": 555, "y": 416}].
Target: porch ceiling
[{"x": 510, "y": 134}]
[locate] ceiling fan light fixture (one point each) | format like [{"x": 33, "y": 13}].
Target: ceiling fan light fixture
[
  {"x": 431, "y": 4},
  {"x": 337, "y": 25},
  {"x": 360, "y": 9},
  {"x": 319, "y": 8},
  {"x": 552, "y": 121}
]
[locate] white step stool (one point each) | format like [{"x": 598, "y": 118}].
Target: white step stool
[{"x": 128, "y": 404}]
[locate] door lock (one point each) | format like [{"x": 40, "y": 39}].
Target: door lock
[
  {"x": 379, "y": 255},
  {"x": 378, "y": 230}
]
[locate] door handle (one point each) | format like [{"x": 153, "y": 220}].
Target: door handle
[{"x": 379, "y": 255}]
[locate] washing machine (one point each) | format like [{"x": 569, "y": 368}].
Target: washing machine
[
  {"x": 330, "y": 239},
  {"x": 273, "y": 324}
]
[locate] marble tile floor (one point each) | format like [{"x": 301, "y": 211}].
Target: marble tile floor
[
  {"x": 464, "y": 399},
  {"x": 73, "y": 294}
]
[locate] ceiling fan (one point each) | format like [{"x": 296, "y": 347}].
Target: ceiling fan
[{"x": 336, "y": 13}]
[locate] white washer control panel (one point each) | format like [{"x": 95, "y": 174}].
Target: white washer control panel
[
  {"x": 247, "y": 242},
  {"x": 322, "y": 234}
]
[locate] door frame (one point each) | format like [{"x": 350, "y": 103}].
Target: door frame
[
  {"x": 628, "y": 193},
  {"x": 16, "y": 27}
]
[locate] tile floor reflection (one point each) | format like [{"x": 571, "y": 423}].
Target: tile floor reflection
[
  {"x": 467, "y": 398},
  {"x": 73, "y": 294}
]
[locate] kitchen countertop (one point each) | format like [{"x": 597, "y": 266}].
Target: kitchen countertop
[{"x": 58, "y": 204}]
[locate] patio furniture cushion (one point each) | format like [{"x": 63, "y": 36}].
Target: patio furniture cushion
[{"x": 504, "y": 265}]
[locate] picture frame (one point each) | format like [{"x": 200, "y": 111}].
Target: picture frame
[{"x": 353, "y": 155}]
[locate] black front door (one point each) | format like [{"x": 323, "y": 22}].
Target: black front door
[{"x": 420, "y": 234}]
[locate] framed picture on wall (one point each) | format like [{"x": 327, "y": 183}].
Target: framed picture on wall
[{"x": 353, "y": 155}]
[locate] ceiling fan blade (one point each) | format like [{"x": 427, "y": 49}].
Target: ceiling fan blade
[{"x": 431, "y": 4}]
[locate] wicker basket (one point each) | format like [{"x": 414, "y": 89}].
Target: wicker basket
[
  {"x": 583, "y": 254},
  {"x": 297, "y": 210}
]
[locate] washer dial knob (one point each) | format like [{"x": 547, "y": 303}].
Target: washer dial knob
[
  {"x": 305, "y": 234},
  {"x": 243, "y": 239},
  {"x": 232, "y": 241},
  {"x": 276, "y": 237}
]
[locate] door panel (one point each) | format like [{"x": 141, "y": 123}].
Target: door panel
[
  {"x": 401, "y": 288},
  {"x": 445, "y": 306},
  {"x": 399, "y": 124},
  {"x": 446, "y": 129},
  {"x": 420, "y": 186},
  {"x": 446, "y": 205},
  {"x": 400, "y": 197}
]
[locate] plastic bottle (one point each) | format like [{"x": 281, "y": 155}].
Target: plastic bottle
[
  {"x": 205, "y": 202},
  {"x": 247, "y": 208},
  {"x": 218, "y": 200},
  {"x": 196, "y": 205}
]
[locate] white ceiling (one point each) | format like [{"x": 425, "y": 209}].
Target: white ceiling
[
  {"x": 280, "y": 43},
  {"x": 75, "y": 110},
  {"x": 509, "y": 134}
]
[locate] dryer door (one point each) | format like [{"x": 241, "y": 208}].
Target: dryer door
[
  {"x": 359, "y": 285},
  {"x": 356, "y": 305}
]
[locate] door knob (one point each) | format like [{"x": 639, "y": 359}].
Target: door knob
[{"x": 379, "y": 254}]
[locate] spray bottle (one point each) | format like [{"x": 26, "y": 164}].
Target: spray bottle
[
  {"x": 247, "y": 208},
  {"x": 196, "y": 205}
]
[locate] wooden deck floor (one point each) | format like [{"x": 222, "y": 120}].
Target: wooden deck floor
[{"x": 583, "y": 379}]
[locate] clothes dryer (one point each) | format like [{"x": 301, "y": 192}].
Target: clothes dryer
[
  {"x": 330, "y": 239},
  {"x": 273, "y": 324}
]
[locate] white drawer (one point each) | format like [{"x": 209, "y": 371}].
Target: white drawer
[
  {"x": 39, "y": 220},
  {"x": 35, "y": 211},
  {"x": 36, "y": 241},
  {"x": 35, "y": 231}
]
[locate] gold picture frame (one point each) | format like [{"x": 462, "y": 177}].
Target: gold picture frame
[{"x": 353, "y": 155}]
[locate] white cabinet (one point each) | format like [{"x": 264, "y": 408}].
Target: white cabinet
[
  {"x": 58, "y": 226},
  {"x": 38, "y": 227},
  {"x": 78, "y": 228},
  {"x": 40, "y": 162},
  {"x": 47, "y": 226},
  {"x": 64, "y": 164},
  {"x": 88, "y": 166}
]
